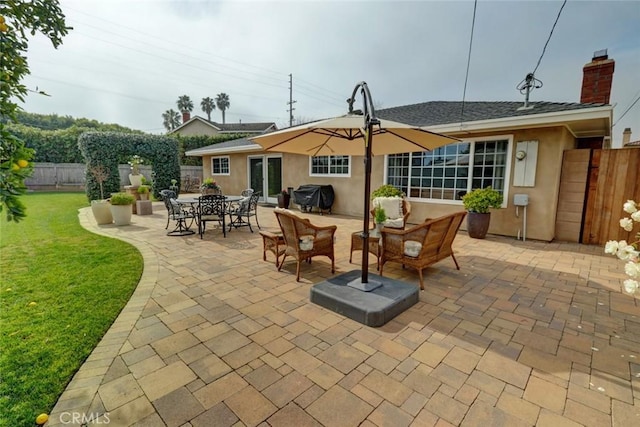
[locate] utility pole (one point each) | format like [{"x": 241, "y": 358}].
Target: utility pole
[{"x": 291, "y": 101}]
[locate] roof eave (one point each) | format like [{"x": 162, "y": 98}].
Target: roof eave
[
  {"x": 226, "y": 150},
  {"x": 563, "y": 118}
]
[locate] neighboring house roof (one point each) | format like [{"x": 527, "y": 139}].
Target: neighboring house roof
[
  {"x": 230, "y": 127},
  {"x": 583, "y": 120},
  {"x": 633, "y": 144}
]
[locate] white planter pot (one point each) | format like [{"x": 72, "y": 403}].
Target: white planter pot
[
  {"x": 101, "y": 211},
  {"x": 121, "y": 214},
  {"x": 135, "y": 180}
]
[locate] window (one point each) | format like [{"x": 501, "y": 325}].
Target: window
[
  {"x": 220, "y": 166},
  {"x": 449, "y": 172},
  {"x": 330, "y": 166}
]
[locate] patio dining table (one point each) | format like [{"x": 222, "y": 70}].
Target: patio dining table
[{"x": 194, "y": 200}]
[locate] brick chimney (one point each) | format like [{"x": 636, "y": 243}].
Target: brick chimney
[
  {"x": 626, "y": 136},
  {"x": 597, "y": 77},
  {"x": 186, "y": 116}
]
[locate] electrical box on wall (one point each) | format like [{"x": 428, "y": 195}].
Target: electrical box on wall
[
  {"x": 520, "y": 199},
  {"x": 526, "y": 162}
]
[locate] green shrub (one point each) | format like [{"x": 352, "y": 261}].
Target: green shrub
[
  {"x": 122, "y": 199},
  {"x": 380, "y": 216},
  {"x": 387, "y": 190},
  {"x": 481, "y": 199}
]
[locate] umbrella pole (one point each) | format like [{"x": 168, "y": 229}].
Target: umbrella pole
[{"x": 367, "y": 191}]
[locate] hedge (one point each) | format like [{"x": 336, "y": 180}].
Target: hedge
[{"x": 107, "y": 149}]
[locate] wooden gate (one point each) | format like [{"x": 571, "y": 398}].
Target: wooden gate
[{"x": 594, "y": 186}]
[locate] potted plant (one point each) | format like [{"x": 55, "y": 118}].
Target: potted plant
[
  {"x": 134, "y": 177},
  {"x": 174, "y": 186},
  {"x": 477, "y": 203},
  {"x": 121, "y": 208},
  {"x": 283, "y": 199},
  {"x": 143, "y": 192},
  {"x": 210, "y": 186},
  {"x": 101, "y": 208},
  {"x": 379, "y": 217}
]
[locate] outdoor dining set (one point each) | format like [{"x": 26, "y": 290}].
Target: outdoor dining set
[{"x": 225, "y": 210}]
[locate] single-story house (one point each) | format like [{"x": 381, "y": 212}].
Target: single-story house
[
  {"x": 517, "y": 150},
  {"x": 197, "y": 125}
]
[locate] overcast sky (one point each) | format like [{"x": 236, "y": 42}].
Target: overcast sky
[{"x": 127, "y": 62}]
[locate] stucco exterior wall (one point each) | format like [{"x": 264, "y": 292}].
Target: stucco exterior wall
[
  {"x": 349, "y": 197},
  {"x": 197, "y": 128},
  {"x": 543, "y": 198}
]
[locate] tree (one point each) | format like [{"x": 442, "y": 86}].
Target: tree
[
  {"x": 18, "y": 20},
  {"x": 208, "y": 105},
  {"x": 185, "y": 104},
  {"x": 171, "y": 119},
  {"x": 222, "y": 101}
]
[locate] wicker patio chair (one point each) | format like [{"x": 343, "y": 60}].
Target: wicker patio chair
[
  {"x": 304, "y": 240},
  {"x": 422, "y": 245},
  {"x": 394, "y": 219}
]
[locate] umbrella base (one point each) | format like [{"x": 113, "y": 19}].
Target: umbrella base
[
  {"x": 365, "y": 287},
  {"x": 373, "y": 308}
]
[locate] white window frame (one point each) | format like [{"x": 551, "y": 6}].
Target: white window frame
[
  {"x": 507, "y": 176},
  {"x": 334, "y": 175},
  {"x": 228, "y": 166}
]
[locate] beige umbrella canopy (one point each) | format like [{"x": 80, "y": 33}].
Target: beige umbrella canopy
[
  {"x": 345, "y": 136},
  {"x": 354, "y": 135}
]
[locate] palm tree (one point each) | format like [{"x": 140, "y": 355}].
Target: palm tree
[
  {"x": 222, "y": 101},
  {"x": 171, "y": 119},
  {"x": 208, "y": 105},
  {"x": 185, "y": 105}
]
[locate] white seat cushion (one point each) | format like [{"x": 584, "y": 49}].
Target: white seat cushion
[
  {"x": 392, "y": 206},
  {"x": 412, "y": 248},
  {"x": 394, "y": 223}
]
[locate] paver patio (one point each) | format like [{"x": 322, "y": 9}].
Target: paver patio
[{"x": 526, "y": 333}]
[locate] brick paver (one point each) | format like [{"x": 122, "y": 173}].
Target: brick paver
[{"x": 526, "y": 333}]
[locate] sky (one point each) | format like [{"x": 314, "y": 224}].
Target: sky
[{"x": 128, "y": 61}]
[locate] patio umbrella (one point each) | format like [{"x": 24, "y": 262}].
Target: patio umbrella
[{"x": 355, "y": 135}]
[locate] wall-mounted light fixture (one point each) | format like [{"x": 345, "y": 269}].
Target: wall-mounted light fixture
[{"x": 520, "y": 155}]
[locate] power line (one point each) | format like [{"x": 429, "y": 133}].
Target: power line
[
  {"x": 466, "y": 77},
  {"x": 550, "y": 34},
  {"x": 626, "y": 111}
]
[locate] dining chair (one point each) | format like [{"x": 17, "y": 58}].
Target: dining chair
[
  {"x": 212, "y": 207},
  {"x": 246, "y": 193},
  {"x": 182, "y": 214},
  {"x": 246, "y": 208}
]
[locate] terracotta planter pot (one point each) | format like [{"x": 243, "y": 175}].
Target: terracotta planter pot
[
  {"x": 478, "y": 224},
  {"x": 101, "y": 211}
]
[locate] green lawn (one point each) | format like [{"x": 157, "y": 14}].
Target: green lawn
[{"x": 61, "y": 287}]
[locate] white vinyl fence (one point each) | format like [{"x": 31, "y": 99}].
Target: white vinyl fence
[{"x": 71, "y": 176}]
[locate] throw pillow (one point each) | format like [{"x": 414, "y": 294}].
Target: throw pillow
[{"x": 392, "y": 206}]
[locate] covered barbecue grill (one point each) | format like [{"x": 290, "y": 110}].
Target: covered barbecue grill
[{"x": 314, "y": 196}]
